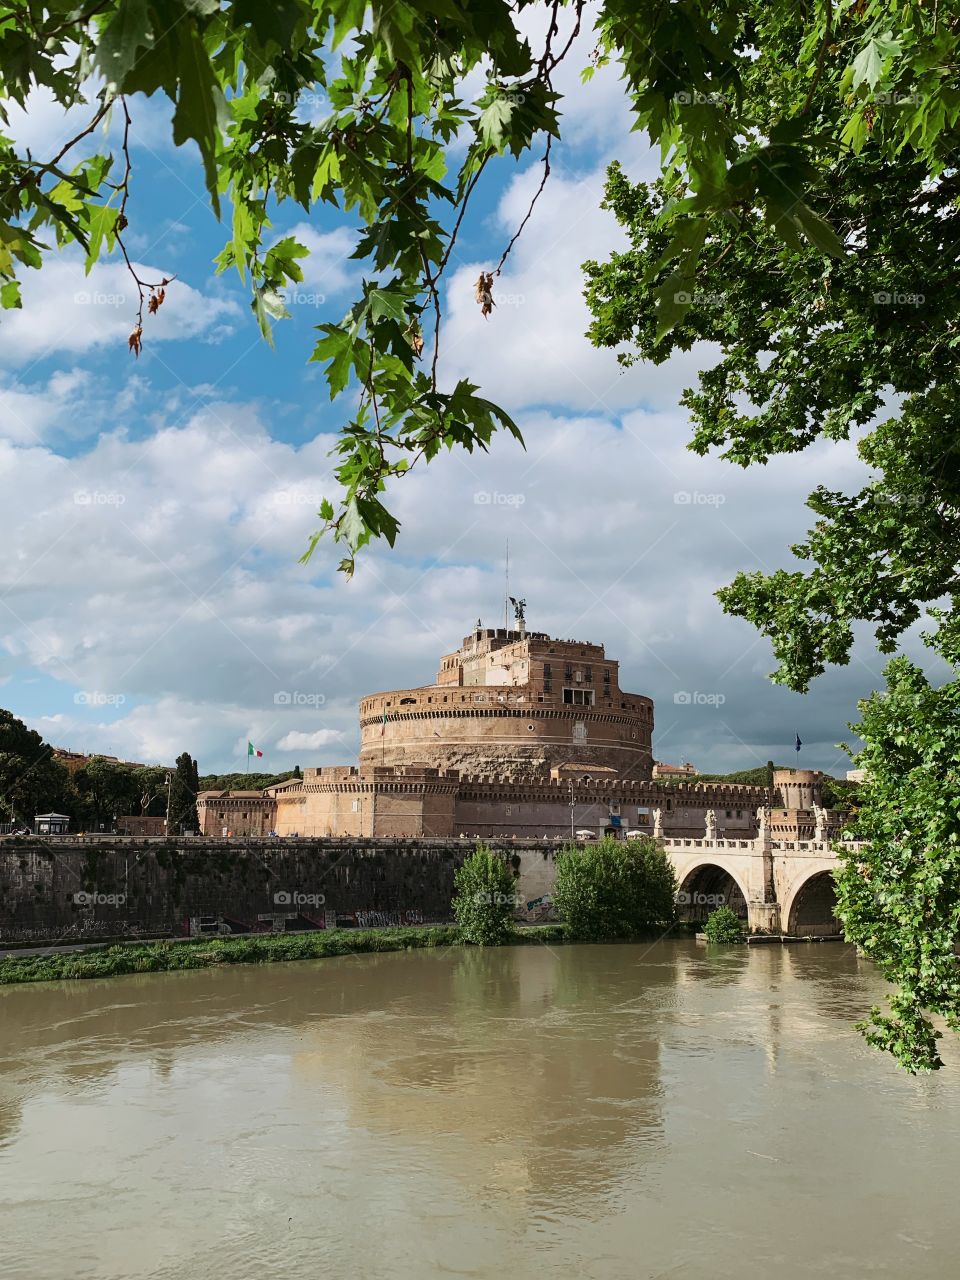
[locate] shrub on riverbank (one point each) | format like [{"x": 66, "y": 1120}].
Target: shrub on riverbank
[
  {"x": 268, "y": 948},
  {"x": 723, "y": 925},
  {"x": 486, "y": 898},
  {"x": 614, "y": 889}
]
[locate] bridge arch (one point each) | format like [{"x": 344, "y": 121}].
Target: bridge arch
[
  {"x": 706, "y": 886},
  {"x": 812, "y": 906}
]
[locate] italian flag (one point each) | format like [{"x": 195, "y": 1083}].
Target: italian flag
[
  {"x": 383, "y": 722},
  {"x": 252, "y": 751}
]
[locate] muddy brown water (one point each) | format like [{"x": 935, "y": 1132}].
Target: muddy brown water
[{"x": 606, "y": 1112}]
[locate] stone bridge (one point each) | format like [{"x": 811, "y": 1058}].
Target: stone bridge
[
  {"x": 775, "y": 885},
  {"x": 779, "y": 886}
]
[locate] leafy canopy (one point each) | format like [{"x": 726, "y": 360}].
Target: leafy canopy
[
  {"x": 32, "y": 781},
  {"x": 899, "y": 895},
  {"x": 485, "y": 897},
  {"x": 724, "y": 925},
  {"x": 614, "y": 888},
  {"x": 749, "y": 103}
]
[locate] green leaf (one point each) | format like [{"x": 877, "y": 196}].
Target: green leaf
[
  {"x": 869, "y": 62},
  {"x": 352, "y": 529},
  {"x": 274, "y": 21},
  {"x": 494, "y": 123},
  {"x": 200, "y": 105},
  {"x": 268, "y": 305},
  {"x": 10, "y": 295},
  {"x": 384, "y": 303},
  {"x": 101, "y": 223},
  {"x": 818, "y": 231},
  {"x": 129, "y": 30},
  {"x": 336, "y": 347}
]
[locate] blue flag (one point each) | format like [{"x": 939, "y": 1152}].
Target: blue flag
[{"x": 799, "y": 744}]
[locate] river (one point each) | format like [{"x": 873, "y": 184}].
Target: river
[{"x": 589, "y": 1111}]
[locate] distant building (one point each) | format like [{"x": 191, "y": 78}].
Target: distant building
[
  {"x": 235, "y": 813},
  {"x": 661, "y": 770},
  {"x": 75, "y": 760},
  {"x": 51, "y": 824},
  {"x": 856, "y": 775}
]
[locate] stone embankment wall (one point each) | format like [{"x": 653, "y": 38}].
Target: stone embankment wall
[{"x": 73, "y": 890}]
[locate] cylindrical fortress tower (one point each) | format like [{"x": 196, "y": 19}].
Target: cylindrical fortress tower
[
  {"x": 799, "y": 788},
  {"x": 513, "y": 704}
]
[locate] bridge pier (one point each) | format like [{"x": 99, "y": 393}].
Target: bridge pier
[{"x": 764, "y": 917}]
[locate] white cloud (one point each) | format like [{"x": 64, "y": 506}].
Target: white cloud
[
  {"x": 533, "y": 349},
  {"x": 65, "y": 310},
  {"x": 296, "y": 741},
  {"x": 27, "y": 414}
]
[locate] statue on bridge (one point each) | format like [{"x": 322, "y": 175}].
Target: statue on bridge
[
  {"x": 658, "y": 824},
  {"x": 711, "y": 824},
  {"x": 820, "y": 818},
  {"x": 763, "y": 820}
]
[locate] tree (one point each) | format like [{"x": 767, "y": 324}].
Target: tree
[
  {"x": 183, "y": 797},
  {"x": 614, "y": 888},
  {"x": 32, "y": 781},
  {"x": 106, "y": 790},
  {"x": 241, "y": 781},
  {"x": 814, "y": 346},
  {"x": 485, "y": 897},
  {"x": 151, "y": 784},
  {"x": 723, "y": 925},
  {"x": 899, "y": 894},
  {"x": 749, "y": 103}
]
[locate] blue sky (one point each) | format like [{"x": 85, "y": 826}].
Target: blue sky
[{"x": 151, "y": 599}]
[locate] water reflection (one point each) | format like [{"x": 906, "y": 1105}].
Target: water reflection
[{"x": 530, "y": 1111}]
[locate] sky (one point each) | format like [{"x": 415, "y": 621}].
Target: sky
[{"x": 151, "y": 599}]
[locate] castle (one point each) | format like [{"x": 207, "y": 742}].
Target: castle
[{"x": 520, "y": 736}]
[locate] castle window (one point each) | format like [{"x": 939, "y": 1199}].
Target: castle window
[{"x": 578, "y": 697}]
